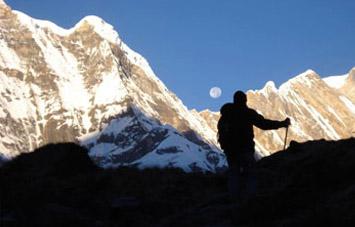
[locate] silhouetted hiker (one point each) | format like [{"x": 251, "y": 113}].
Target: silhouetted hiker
[{"x": 236, "y": 137}]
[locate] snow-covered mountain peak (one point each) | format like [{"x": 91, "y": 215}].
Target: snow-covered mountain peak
[
  {"x": 306, "y": 75},
  {"x": 351, "y": 76},
  {"x": 269, "y": 87},
  {"x": 85, "y": 85},
  {"x": 270, "y": 84},
  {"x": 307, "y": 78},
  {"x": 101, "y": 27},
  {"x": 310, "y": 71},
  {"x": 94, "y": 21}
]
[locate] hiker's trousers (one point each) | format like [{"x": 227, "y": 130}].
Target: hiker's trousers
[{"x": 241, "y": 175}]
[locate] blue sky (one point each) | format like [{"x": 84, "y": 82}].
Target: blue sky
[{"x": 195, "y": 45}]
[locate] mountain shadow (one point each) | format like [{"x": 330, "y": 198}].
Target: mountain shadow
[
  {"x": 309, "y": 184},
  {"x": 57, "y": 160}
]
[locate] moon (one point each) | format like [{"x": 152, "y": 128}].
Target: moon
[{"x": 215, "y": 92}]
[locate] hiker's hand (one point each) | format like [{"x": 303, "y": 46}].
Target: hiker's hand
[{"x": 287, "y": 122}]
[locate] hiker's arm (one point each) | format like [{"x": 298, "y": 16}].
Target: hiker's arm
[{"x": 266, "y": 124}]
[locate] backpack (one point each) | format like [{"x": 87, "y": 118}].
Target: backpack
[{"x": 224, "y": 127}]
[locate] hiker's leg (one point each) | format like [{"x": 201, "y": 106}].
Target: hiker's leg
[
  {"x": 250, "y": 176},
  {"x": 233, "y": 183},
  {"x": 234, "y": 178}
]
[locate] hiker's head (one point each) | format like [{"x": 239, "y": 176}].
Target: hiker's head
[
  {"x": 240, "y": 98},
  {"x": 227, "y": 109}
]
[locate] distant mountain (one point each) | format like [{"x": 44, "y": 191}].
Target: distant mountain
[
  {"x": 318, "y": 108},
  {"x": 85, "y": 85}
]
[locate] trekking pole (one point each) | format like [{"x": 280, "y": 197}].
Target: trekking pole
[{"x": 286, "y": 138}]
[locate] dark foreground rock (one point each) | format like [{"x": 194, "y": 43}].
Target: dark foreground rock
[
  {"x": 309, "y": 184},
  {"x": 55, "y": 160}
]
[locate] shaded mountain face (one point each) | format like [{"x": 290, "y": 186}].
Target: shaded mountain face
[
  {"x": 85, "y": 85},
  {"x": 318, "y": 109}
]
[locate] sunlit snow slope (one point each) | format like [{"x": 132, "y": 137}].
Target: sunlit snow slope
[{"x": 85, "y": 85}]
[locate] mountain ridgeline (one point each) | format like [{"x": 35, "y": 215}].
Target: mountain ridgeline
[
  {"x": 85, "y": 85},
  {"x": 318, "y": 109}
]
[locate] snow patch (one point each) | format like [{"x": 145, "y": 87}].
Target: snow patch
[
  {"x": 71, "y": 83},
  {"x": 335, "y": 81},
  {"x": 8, "y": 57},
  {"x": 186, "y": 154},
  {"x": 331, "y": 110},
  {"x": 117, "y": 125},
  {"x": 102, "y": 149},
  {"x": 18, "y": 105},
  {"x": 137, "y": 59},
  {"x": 110, "y": 90},
  {"x": 17, "y": 109},
  {"x": 323, "y": 123},
  {"x": 348, "y": 103}
]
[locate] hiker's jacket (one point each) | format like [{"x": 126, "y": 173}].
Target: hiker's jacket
[{"x": 236, "y": 129}]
